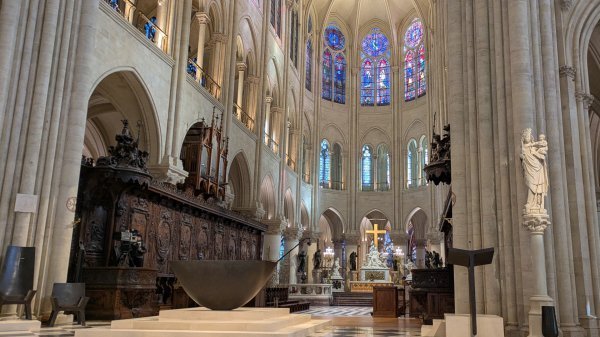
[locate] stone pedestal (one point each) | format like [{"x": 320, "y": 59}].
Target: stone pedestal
[
  {"x": 19, "y": 327},
  {"x": 460, "y": 326},
  {"x": 375, "y": 275},
  {"x": 202, "y": 322},
  {"x": 337, "y": 282}
]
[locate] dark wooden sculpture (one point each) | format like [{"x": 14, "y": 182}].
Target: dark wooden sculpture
[
  {"x": 439, "y": 168},
  {"x": 118, "y": 196},
  {"x": 204, "y": 157},
  {"x": 16, "y": 277}
]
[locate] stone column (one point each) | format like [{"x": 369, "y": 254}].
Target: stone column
[
  {"x": 420, "y": 263},
  {"x": 203, "y": 20},
  {"x": 162, "y": 16},
  {"x": 352, "y": 245},
  {"x": 271, "y": 244},
  {"x": 268, "y": 101},
  {"x": 536, "y": 225},
  {"x": 290, "y": 263},
  {"x": 241, "y": 68},
  {"x": 310, "y": 252},
  {"x": 277, "y": 128},
  {"x": 129, "y": 10}
]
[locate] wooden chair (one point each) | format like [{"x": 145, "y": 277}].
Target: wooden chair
[{"x": 68, "y": 297}]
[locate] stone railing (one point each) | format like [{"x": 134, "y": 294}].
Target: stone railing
[{"x": 310, "y": 290}]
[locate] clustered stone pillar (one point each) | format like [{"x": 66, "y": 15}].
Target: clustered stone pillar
[
  {"x": 271, "y": 244},
  {"x": 162, "y": 14},
  {"x": 420, "y": 249},
  {"x": 268, "y": 101},
  {"x": 292, "y": 237},
  {"x": 241, "y": 68},
  {"x": 203, "y": 20}
]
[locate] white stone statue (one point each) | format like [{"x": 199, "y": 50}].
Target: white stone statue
[
  {"x": 535, "y": 169},
  {"x": 335, "y": 269},
  {"x": 374, "y": 260}
]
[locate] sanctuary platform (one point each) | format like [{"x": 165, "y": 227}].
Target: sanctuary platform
[{"x": 200, "y": 322}]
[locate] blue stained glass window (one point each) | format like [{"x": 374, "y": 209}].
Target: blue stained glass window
[
  {"x": 375, "y": 70},
  {"x": 422, "y": 87},
  {"x": 340, "y": 79},
  {"x": 325, "y": 163},
  {"x": 383, "y": 83},
  {"x": 375, "y": 44},
  {"x": 334, "y": 38},
  {"x": 409, "y": 77},
  {"x": 327, "y": 75},
  {"x": 309, "y": 25},
  {"x": 412, "y": 164},
  {"x": 415, "y": 84},
  {"x": 414, "y": 34},
  {"x": 367, "y": 169},
  {"x": 308, "y": 67},
  {"x": 368, "y": 87}
]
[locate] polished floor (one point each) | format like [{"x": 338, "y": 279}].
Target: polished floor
[{"x": 346, "y": 321}]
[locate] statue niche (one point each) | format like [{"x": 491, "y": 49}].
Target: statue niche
[{"x": 204, "y": 157}]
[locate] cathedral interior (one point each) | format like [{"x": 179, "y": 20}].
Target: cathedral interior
[{"x": 360, "y": 144}]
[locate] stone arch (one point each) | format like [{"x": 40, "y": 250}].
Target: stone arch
[
  {"x": 122, "y": 94},
  {"x": 288, "y": 208},
  {"x": 240, "y": 181},
  {"x": 304, "y": 217},
  {"x": 335, "y": 221},
  {"x": 267, "y": 197}
]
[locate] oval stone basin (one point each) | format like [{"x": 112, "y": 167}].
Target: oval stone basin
[{"x": 222, "y": 285}]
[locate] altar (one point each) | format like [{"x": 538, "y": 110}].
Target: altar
[{"x": 375, "y": 273}]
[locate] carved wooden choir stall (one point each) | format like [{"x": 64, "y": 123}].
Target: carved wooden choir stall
[{"x": 130, "y": 226}]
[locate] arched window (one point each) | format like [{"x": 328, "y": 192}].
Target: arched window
[
  {"x": 336, "y": 168},
  {"x": 414, "y": 62},
  {"x": 375, "y": 70},
  {"x": 412, "y": 164},
  {"x": 295, "y": 26},
  {"x": 423, "y": 160},
  {"x": 327, "y": 75},
  {"x": 340, "y": 79},
  {"x": 334, "y": 65},
  {"x": 276, "y": 16},
  {"x": 383, "y": 168},
  {"x": 308, "y": 67},
  {"x": 367, "y": 168},
  {"x": 325, "y": 164}
]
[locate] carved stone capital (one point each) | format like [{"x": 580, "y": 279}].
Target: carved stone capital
[
  {"x": 435, "y": 237},
  {"x": 277, "y": 110},
  {"x": 536, "y": 223},
  {"x": 241, "y": 66},
  {"x": 585, "y": 98},
  {"x": 565, "y": 5},
  {"x": 567, "y": 71},
  {"x": 252, "y": 79},
  {"x": 171, "y": 174},
  {"x": 399, "y": 237},
  {"x": 219, "y": 38},
  {"x": 292, "y": 233},
  {"x": 352, "y": 238},
  {"x": 202, "y": 18},
  {"x": 312, "y": 235},
  {"x": 268, "y": 99},
  {"x": 275, "y": 226}
]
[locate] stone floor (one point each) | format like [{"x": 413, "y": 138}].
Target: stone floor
[{"x": 346, "y": 321}]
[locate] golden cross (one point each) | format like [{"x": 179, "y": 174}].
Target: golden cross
[{"x": 375, "y": 233}]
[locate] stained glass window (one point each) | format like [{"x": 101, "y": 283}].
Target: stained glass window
[
  {"x": 383, "y": 83},
  {"x": 334, "y": 38},
  {"x": 340, "y": 79},
  {"x": 375, "y": 71},
  {"x": 409, "y": 77},
  {"x": 308, "y": 67},
  {"x": 423, "y": 160},
  {"x": 336, "y": 167},
  {"x": 276, "y": 16},
  {"x": 422, "y": 87},
  {"x": 295, "y": 27},
  {"x": 324, "y": 164},
  {"x": 367, "y": 86},
  {"x": 309, "y": 25},
  {"x": 415, "y": 84},
  {"x": 367, "y": 168},
  {"x": 327, "y": 75}
]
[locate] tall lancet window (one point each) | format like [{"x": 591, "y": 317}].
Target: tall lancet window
[
  {"x": 367, "y": 168},
  {"x": 276, "y": 16},
  {"x": 325, "y": 164},
  {"x": 336, "y": 168},
  {"x": 383, "y": 168},
  {"x": 415, "y": 84},
  {"x": 334, "y": 65},
  {"x": 412, "y": 164},
  {"x": 308, "y": 57},
  {"x": 308, "y": 66},
  {"x": 424, "y": 160},
  {"x": 375, "y": 69}
]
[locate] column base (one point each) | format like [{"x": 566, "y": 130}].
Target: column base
[{"x": 535, "y": 314}]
